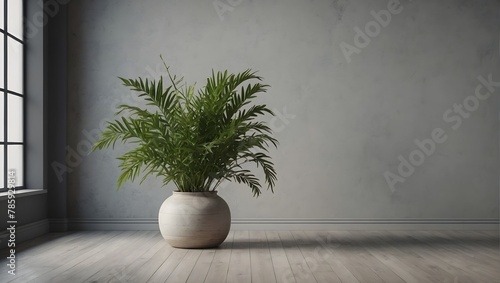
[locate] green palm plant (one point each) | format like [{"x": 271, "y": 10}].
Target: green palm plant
[{"x": 195, "y": 139}]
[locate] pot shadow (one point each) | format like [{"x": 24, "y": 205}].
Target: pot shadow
[{"x": 368, "y": 242}]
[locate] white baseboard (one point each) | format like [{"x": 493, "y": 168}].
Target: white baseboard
[
  {"x": 26, "y": 232},
  {"x": 298, "y": 224}
]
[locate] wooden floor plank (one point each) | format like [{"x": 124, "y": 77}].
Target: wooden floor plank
[
  {"x": 240, "y": 267},
  {"x": 168, "y": 266},
  {"x": 282, "y": 269},
  {"x": 477, "y": 245},
  {"x": 201, "y": 267},
  {"x": 460, "y": 272},
  {"x": 361, "y": 245},
  {"x": 116, "y": 270},
  {"x": 28, "y": 250},
  {"x": 42, "y": 243},
  {"x": 40, "y": 263},
  {"x": 331, "y": 254},
  {"x": 184, "y": 268},
  {"x": 344, "y": 249},
  {"x": 260, "y": 256},
  {"x": 310, "y": 251},
  {"x": 152, "y": 264},
  {"x": 220, "y": 263},
  {"x": 423, "y": 259},
  {"x": 99, "y": 245},
  {"x": 94, "y": 264},
  {"x": 385, "y": 253},
  {"x": 442, "y": 255},
  {"x": 300, "y": 269},
  {"x": 326, "y": 277},
  {"x": 139, "y": 263},
  {"x": 403, "y": 249}
]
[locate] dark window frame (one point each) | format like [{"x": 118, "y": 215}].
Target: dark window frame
[{"x": 6, "y": 93}]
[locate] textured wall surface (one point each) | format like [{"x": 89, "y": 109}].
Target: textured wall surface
[{"x": 353, "y": 96}]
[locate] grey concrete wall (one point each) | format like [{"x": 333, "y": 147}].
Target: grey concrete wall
[{"x": 353, "y": 96}]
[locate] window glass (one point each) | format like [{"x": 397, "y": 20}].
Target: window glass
[
  {"x": 15, "y": 66},
  {"x": 2, "y": 4},
  {"x": 15, "y": 118},
  {"x": 2, "y": 165},
  {"x": 15, "y": 162},
  {"x": 2, "y": 62},
  {"x": 15, "y": 18},
  {"x": 2, "y": 115}
]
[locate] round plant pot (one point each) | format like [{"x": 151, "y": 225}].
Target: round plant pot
[{"x": 194, "y": 220}]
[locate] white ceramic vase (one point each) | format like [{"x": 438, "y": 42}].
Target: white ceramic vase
[{"x": 194, "y": 220}]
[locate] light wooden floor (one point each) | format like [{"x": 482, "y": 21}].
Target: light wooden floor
[{"x": 257, "y": 256}]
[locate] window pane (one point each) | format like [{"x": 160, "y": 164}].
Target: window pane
[
  {"x": 2, "y": 4},
  {"x": 1, "y": 60},
  {"x": 1, "y": 167},
  {"x": 2, "y": 114},
  {"x": 15, "y": 18},
  {"x": 14, "y": 118},
  {"x": 14, "y": 66},
  {"x": 15, "y": 162}
]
